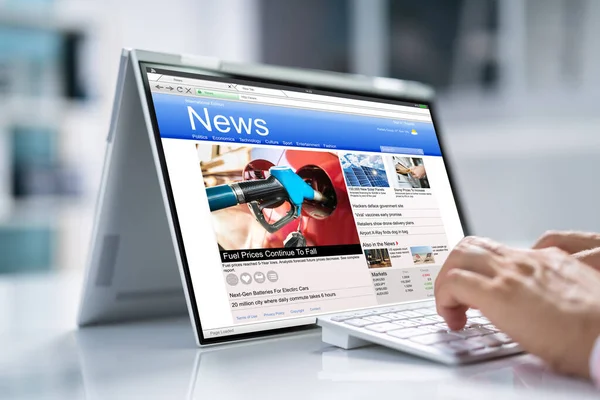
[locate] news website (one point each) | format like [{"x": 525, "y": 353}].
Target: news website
[{"x": 294, "y": 204}]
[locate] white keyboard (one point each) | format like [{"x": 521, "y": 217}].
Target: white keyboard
[{"x": 418, "y": 330}]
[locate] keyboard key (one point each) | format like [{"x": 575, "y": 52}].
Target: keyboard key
[
  {"x": 446, "y": 348},
  {"x": 484, "y": 351},
  {"x": 482, "y": 331},
  {"x": 467, "y": 344},
  {"x": 434, "y": 338},
  {"x": 436, "y": 318},
  {"x": 471, "y": 332},
  {"x": 393, "y": 316},
  {"x": 377, "y": 311},
  {"x": 474, "y": 343},
  {"x": 426, "y": 311},
  {"x": 457, "y": 347},
  {"x": 377, "y": 319},
  {"x": 342, "y": 317},
  {"x": 389, "y": 310},
  {"x": 407, "y": 333},
  {"x": 400, "y": 315},
  {"x": 365, "y": 313},
  {"x": 487, "y": 341},
  {"x": 358, "y": 322},
  {"x": 442, "y": 326},
  {"x": 409, "y": 314},
  {"x": 423, "y": 321},
  {"x": 386, "y": 326},
  {"x": 491, "y": 327},
  {"x": 501, "y": 337},
  {"x": 433, "y": 328},
  {"x": 406, "y": 323}
]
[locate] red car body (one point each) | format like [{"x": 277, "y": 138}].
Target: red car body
[{"x": 339, "y": 227}]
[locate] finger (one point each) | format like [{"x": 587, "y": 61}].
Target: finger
[
  {"x": 460, "y": 291},
  {"x": 590, "y": 257},
  {"x": 488, "y": 244},
  {"x": 569, "y": 241},
  {"x": 469, "y": 254},
  {"x": 456, "y": 317},
  {"x": 472, "y": 254}
]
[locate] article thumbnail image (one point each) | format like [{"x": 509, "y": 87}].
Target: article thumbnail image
[
  {"x": 259, "y": 217},
  {"x": 422, "y": 255},
  {"x": 410, "y": 173},
  {"x": 378, "y": 258},
  {"x": 362, "y": 170}
]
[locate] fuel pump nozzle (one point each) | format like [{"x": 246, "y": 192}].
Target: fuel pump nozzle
[{"x": 283, "y": 184}]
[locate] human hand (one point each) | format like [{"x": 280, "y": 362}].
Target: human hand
[
  {"x": 401, "y": 169},
  {"x": 418, "y": 171},
  {"x": 546, "y": 300}
]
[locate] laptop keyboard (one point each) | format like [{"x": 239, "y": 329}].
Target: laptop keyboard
[{"x": 425, "y": 327}]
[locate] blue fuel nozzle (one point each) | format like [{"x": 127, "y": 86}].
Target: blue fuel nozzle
[
  {"x": 283, "y": 185},
  {"x": 296, "y": 188}
]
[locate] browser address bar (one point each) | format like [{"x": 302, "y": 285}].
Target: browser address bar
[{"x": 332, "y": 107}]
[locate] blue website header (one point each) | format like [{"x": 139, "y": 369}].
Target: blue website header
[{"x": 193, "y": 118}]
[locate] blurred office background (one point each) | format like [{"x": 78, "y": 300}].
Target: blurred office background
[{"x": 517, "y": 83}]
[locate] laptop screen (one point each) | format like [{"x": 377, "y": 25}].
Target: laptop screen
[{"x": 292, "y": 202}]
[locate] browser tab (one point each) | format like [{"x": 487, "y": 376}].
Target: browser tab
[
  {"x": 153, "y": 77},
  {"x": 195, "y": 82},
  {"x": 258, "y": 90}
]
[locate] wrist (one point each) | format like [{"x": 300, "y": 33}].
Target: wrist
[{"x": 577, "y": 354}]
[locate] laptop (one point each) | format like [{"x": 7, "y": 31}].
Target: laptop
[{"x": 264, "y": 200}]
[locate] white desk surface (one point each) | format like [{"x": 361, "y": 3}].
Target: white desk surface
[{"x": 44, "y": 356}]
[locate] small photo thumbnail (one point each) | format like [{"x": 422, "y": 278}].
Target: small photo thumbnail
[
  {"x": 378, "y": 258},
  {"x": 422, "y": 255},
  {"x": 362, "y": 170},
  {"x": 410, "y": 173}
]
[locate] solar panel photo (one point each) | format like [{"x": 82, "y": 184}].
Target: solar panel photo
[{"x": 364, "y": 171}]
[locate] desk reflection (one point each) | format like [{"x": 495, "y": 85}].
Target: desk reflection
[{"x": 160, "y": 360}]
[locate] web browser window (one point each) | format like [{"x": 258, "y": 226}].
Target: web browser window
[{"x": 294, "y": 203}]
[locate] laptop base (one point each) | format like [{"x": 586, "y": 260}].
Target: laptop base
[{"x": 132, "y": 270}]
